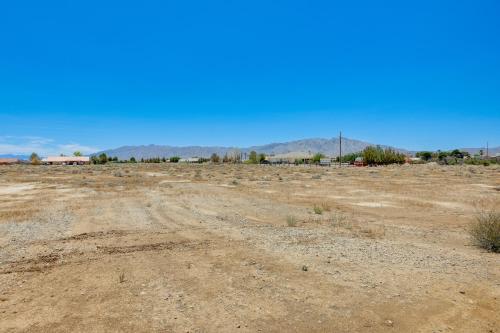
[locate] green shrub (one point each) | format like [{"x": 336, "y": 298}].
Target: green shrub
[
  {"x": 317, "y": 158},
  {"x": 318, "y": 209},
  {"x": 485, "y": 231}
]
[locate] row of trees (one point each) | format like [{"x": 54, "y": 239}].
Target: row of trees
[
  {"x": 441, "y": 155},
  {"x": 254, "y": 158},
  {"x": 378, "y": 156},
  {"x": 456, "y": 156}
]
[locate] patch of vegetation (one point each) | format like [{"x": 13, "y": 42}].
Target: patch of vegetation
[
  {"x": 379, "y": 156},
  {"x": 317, "y": 158},
  {"x": 291, "y": 221},
  {"x": 350, "y": 158},
  {"x": 253, "y": 158},
  {"x": 35, "y": 159},
  {"x": 485, "y": 231},
  {"x": 215, "y": 158},
  {"x": 338, "y": 219},
  {"x": 318, "y": 209},
  {"x": 326, "y": 206}
]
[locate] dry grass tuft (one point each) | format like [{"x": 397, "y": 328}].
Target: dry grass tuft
[
  {"x": 291, "y": 221},
  {"x": 485, "y": 232}
]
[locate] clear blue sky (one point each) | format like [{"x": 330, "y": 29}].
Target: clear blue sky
[{"x": 101, "y": 74}]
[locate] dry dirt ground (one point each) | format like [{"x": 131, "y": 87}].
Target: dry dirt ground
[{"x": 238, "y": 248}]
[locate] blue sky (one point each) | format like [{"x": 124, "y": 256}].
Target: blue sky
[{"x": 91, "y": 75}]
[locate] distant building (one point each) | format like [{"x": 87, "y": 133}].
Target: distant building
[
  {"x": 325, "y": 162},
  {"x": 191, "y": 160},
  {"x": 66, "y": 160},
  {"x": 359, "y": 162},
  {"x": 290, "y": 158},
  {"x": 7, "y": 161}
]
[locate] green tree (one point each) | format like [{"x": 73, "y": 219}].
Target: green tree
[
  {"x": 378, "y": 156},
  {"x": 456, "y": 153},
  {"x": 77, "y": 153},
  {"x": 174, "y": 159},
  {"x": 132, "y": 160},
  {"x": 350, "y": 158},
  {"x": 103, "y": 158},
  {"x": 34, "y": 159},
  {"x": 372, "y": 155},
  {"x": 262, "y": 158},
  {"x": 317, "y": 157},
  {"x": 252, "y": 157},
  {"x": 215, "y": 158},
  {"x": 424, "y": 155}
]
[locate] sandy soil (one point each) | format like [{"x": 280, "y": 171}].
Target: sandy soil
[{"x": 235, "y": 248}]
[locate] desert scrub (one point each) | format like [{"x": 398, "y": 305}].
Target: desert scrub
[
  {"x": 485, "y": 231},
  {"x": 318, "y": 209},
  {"x": 291, "y": 221},
  {"x": 339, "y": 219},
  {"x": 326, "y": 206}
]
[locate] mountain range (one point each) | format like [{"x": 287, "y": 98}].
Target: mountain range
[{"x": 329, "y": 147}]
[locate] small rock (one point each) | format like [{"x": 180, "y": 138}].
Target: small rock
[
  {"x": 305, "y": 268},
  {"x": 389, "y": 323}
]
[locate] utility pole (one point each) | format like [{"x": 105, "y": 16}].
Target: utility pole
[
  {"x": 340, "y": 149},
  {"x": 487, "y": 149}
]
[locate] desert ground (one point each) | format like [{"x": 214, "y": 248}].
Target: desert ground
[{"x": 246, "y": 248}]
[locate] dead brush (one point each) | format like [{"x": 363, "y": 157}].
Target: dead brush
[
  {"x": 339, "y": 219},
  {"x": 372, "y": 232},
  {"x": 485, "y": 231},
  {"x": 326, "y": 206},
  {"x": 121, "y": 277}
]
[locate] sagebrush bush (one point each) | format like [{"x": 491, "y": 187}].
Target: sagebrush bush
[
  {"x": 318, "y": 209},
  {"x": 485, "y": 231}
]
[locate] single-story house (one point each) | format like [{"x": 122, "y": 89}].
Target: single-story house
[
  {"x": 7, "y": 161},
  {"x": 66, "y": 160},
  {"x": 290, "y": 158},
  {"x": 325, "y": 162},
  {"x": 190, "y": 160}
]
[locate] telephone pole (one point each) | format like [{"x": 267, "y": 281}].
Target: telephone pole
[
  {"x": 487, "y": 149},
  {"x": 340, "y": 149}
]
